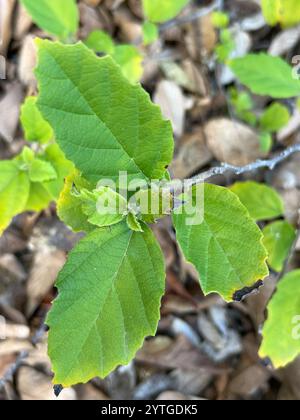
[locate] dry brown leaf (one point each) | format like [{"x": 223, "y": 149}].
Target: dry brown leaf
[
  {"x": 27, "y": 63},
  {"x": 172, "y": 102},
  {"x": 10, "y": 110},
  {"x": 23, "y": 22},
  {"x": 232, "y": 142},
  {"x": 176, "y": 396},
  {"x": 250, "y": 383},
  {"x": 36, "y": 386},
  {"x": 46, "y": 265},
  {"x": 7, "y": 9},
  {"x": 192, "y": 155}
]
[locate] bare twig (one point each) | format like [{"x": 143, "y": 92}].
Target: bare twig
[{"x": 239, "y": 170}]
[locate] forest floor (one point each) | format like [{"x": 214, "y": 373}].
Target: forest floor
[{"x": 204, "y": 348}]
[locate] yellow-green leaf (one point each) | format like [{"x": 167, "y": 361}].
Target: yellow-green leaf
[
  {"x": 281, "y": 332},
  {"x": 103, "y": 123},
  {"x": 285, "y": 12},
  {"x": 103, "y": 206},
  {"x": 130, "y": 60},
  {"x": 100, "y": 42},
  {"x": 262, "y": 201},
  {"x": 63, "y": 167},
  {"x": 34, "y": 126},
  {"x": 14, "y": 192},
  {"x": 162, "y": 10},
  {"x": 39, "y": 197},
  {"x": 41, "y": 171},
  {"x": 275, "y": 117},
  {"x": 264, "y": 74},
  {"x": 226, "y": 248},
  {"x": 150, "y": 33},
  {"x": 278, "y": 240},
  {"x": 69, "y": 208},
  {"x": 109, "y": 300},
  {"x": 57, "y": 17}
]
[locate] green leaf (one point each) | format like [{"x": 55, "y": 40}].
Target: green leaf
[
  {"x": 264, "y": 74},
  {"x": 285, "y": 12},
  {"x": 14, "y": 192},
  {"x": 62, "y": 166},
  {"x": 39, "y": 197},
  {"x": 152, "y": 204},
  {"x": 100, "y": 42},
  {"x": 281, "y": 339},
  {"x": 275, "y": 117},
  {"x": 130, "y": 60},
  {"x": 108, "y": 303},
  {"x": 266, "y": 142},
  {"x": 41, "y": 171},
  {"x": 26, "y": 157},
  {"x": 226, "y": 45},
  {"x": 127, "y": 56},
  {"x": 220, "y": 19},
  {"x": 133, "y": 223},
  {"x": 103, "y": 206},
  {"x": 243, "y": 106},
  {"x": 226, "y": 248},
  {"x": 150, "y": 33},
  {"x": 69, "y": 208},
  {"x": 261, "y": 201},
  {"x": 160, "y": 11},
  {"x": 59, "y": 18},
  {"x": 103, "y": 123},
  {"x": 271, "y": 11},
  {"x": 278, "y": 240},
  {"x": 34, "y": 126}
]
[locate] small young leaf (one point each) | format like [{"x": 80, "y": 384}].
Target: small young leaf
[
  {"x": 14, "y": 191},
  {"x": 150, "y": 33},
  {"x": 266, "y": 141},
  {"x": 108, "y": 303},
  {"x": 285, "y": 12},
  {"x": 98, "y": 116},
  {"x": 103, "y": 206},
  {"x": 278, "y": 240},
  {"x": 261, "y": 201},
  {"x": 57, "y": 17},
  {"x": 266, "y": 75},
  {"x": 133, "y": 223},
  {"x": 243, "y": 106},
  {"x": 34, "y": 126},
  {"x": 158, "y": 11},
  {"x": 275, "y": 117},
  {"x": 130, "y": 60},
  {"x": 39, "y": 197},
  {"x": 41, "y": 171},
  {"x": 226, "y": 248},
  {"x": 69, "y": 208},
  {"x": 226, "y": 45},
  {"x": 220, "y": 20},
  {"x": 100, "y": 42},
  {"x": 281, "y": 339},
  {"x": 152, "y": 204},
  {"x": 62, "y": 166}
]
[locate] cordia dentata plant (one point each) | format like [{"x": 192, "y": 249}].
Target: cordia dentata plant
[
  {"x": 112, "y": 284},
  {"x": 102, "y": 149},
  {"x": 35, "y": 178}
]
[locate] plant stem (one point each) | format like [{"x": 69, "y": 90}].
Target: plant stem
[{"x": 239, "y": 170}]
